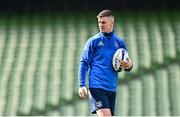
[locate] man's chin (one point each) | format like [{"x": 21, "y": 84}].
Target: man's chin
[{"x": 102, "y": 31}]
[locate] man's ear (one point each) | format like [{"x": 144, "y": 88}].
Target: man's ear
[{"x": 112, "y": 21}]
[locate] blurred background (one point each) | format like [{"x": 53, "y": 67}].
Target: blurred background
[{"x": 41, "y": 43}]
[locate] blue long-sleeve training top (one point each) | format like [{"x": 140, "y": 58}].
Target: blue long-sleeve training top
[{"x": 97, "y": 57}]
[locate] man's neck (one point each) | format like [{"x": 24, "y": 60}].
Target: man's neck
[{"x": 108, "y": 34}]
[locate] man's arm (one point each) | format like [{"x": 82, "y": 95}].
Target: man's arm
[{"x": 83, "y": 68}]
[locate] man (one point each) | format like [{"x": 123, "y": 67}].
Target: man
[{"x": 97, "y": 57}]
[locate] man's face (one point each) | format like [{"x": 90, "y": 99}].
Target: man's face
[{"x": 105, "y": 24}]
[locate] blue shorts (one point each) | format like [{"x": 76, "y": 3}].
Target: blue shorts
[{"x": 100, "y": 98}]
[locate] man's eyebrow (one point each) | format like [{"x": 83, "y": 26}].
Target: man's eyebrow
[{"x": 101, "y": 21}]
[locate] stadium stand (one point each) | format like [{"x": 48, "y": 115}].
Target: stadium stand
[{"x": 39, "y": 58}]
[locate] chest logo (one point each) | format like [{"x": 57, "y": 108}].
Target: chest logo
[
  {"x": 116, "y": 44},
  {"x": 101, "y": 44}
]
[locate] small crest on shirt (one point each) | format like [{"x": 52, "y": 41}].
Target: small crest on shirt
[
  {"x": 101, "y": 44},
  {"x": 116, "y": 44}
]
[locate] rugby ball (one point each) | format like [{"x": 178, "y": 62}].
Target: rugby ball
[{"x": 119, "y": 55}]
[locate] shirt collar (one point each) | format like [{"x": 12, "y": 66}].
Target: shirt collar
[{"x": 108, "y": 35}]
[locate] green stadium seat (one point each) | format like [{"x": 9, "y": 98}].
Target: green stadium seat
[
  {"x": 81, "y": 108},
  {"x": 53, "y": 85},
  {"x": 12, "y": 95},
  {"x": 39, "y": 91},
  {"x": 162, "y": 98},
  {"x": 167, "y": 36},
  {"x": 3, "y": 93},
  {"x": 175, "y": 18},
  {"x": 67, "y": 110},
  {"x": 122, "y": 101},
  {"x": 25, "y": 97},
  {"x": 142, "y": 42},
  {"x": 149, "y": 95},
  {"x": 155, "y": 39},
  {"x": 26, "y": 87},
  {"x": 2, "y": 39},
  {"x": 3, "y": 48},
  {"x": 174, "y": 86},
  {"x": 135, "y": 98},
  {"x": 53, "y": 113}
]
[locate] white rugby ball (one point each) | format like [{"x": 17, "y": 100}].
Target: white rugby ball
[{"x": 119, "y": 55}]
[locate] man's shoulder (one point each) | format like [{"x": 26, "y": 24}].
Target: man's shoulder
[
  {"x": 118, "y": 38},
  {"x": 95, "y": 37}
]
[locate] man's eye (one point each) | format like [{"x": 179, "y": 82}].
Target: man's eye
[{"x": 103, "y": 22}]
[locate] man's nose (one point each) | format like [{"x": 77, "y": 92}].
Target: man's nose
[{"x": 100, "y": 24}]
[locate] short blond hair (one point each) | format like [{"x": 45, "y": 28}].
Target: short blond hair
[{"x": 106, "y": 13}]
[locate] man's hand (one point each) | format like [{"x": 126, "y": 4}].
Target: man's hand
[
  {"x": 83, "y": 92},
  {"x": 126, "y": 64}
]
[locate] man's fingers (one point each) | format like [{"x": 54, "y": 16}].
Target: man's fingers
[
  {"x": 80, "y": 92},
  {"x": 83, "y": 92},
  {"x": 82, "y": 95},
  {"x": 126, "y": 64}
]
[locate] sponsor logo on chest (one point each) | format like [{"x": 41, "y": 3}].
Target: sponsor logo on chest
[{"x": 100, "y": 43}]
